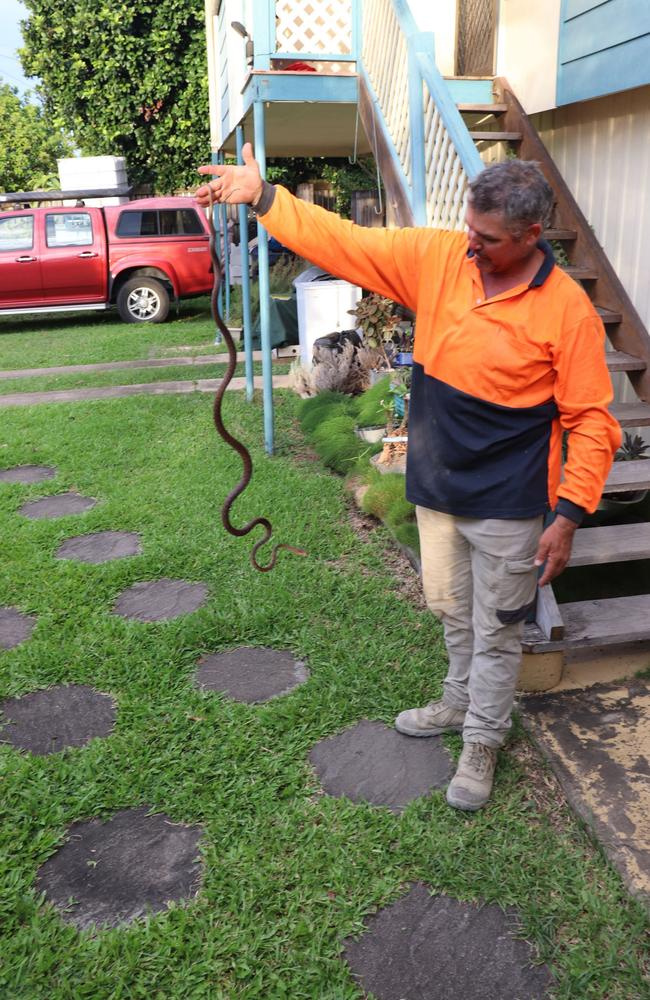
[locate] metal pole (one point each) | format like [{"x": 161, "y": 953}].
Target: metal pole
[
  {"x": 245, "y": 280},
  {"x": 216, "y": 219},
  {"x": 226, "y": 254},
  {"x": 265, "y": 293}
]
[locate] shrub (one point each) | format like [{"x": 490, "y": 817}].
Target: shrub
[
  {"x": 337, "y": 444},
  {"x": 370, "y": 412},
  {"x": 312, "y": 412}
]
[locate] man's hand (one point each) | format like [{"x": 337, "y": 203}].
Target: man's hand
[
  {"x": 554, "y": 548},
  {"x": 237, "y": 185}
]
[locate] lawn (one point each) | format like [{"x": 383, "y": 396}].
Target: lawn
[
  {"x": 289, "y": 873},
  {"x": 90, "y": 338}
]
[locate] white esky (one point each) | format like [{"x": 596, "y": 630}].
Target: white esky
[{"x": 11, "y": 71}]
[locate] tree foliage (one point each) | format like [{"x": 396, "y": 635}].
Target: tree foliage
[
  {"x": 29, "y": 144},
  {"x": 128, "y": 78},
  {"x": 344, "y": 177}
]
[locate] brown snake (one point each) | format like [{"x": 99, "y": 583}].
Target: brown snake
[{"x": 226, "y": 436}]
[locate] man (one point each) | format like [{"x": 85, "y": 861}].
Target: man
[{"x": 508, "y": 356}]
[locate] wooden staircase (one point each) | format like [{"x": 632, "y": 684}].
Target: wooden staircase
[{"x": 616, "y": 619}]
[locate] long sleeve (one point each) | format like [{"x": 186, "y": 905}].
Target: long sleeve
[
  {"x": 386, "y": 261},
  {"x": 583, "y": 392}
]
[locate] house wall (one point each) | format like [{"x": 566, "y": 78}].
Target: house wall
[
  {"x": 527, "y": 50},
  {"x": 604, "y": 48},
  {"x": 440, "y": 18}
]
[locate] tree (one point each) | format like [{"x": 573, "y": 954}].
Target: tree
[
  {"x": 30, "y": 146},
  {"x": 128, "y": 78},
  {"x": 342, "y": 175}
]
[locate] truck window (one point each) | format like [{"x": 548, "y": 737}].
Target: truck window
[
  {"x": 68, "y": 229},
  {"x": 166, "y": 222},
  {"x": 17, "y": 232}
]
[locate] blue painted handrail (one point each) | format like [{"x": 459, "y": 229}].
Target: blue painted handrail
[{"x": 423, "y": 55}]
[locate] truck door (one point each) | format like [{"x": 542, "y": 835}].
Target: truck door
[
  {"x": 73, "y": 261},
  {"x": 20, "y": 266}
]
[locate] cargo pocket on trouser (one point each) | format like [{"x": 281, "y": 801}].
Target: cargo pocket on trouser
[{"x": 516, "y": 590}]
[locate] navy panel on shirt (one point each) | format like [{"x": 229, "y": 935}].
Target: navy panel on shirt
[{"x": 472, "y": 458}]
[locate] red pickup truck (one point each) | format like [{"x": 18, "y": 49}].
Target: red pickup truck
[{"x": 137, "y": 256}]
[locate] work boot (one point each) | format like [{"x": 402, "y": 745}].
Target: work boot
[
  {"x": 432, "y": 720},
  {"x": 470, "y": 787}
]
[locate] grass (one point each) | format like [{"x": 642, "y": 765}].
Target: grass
[
  {"x": 90, "y": 338},
  {"x": 289, "y": 873}
]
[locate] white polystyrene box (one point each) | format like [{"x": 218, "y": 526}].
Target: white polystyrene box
[{"x": 323, "y": 305}]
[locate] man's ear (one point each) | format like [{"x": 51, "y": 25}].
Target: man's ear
[{"x": 534, "y": 232}]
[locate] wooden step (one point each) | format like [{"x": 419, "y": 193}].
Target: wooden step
[
  {"x": 631, "y": 414},
  {"x": 482, "y": 109},
  {"x": 596, "y": 623},
  {"x": 581, "y": 273},
  {"x": 608, "y": 315},
  {"x": 614, "y": 543},
  {"x": 496, "y": 136},
  {"x": 618, "y": 361},
  {"x": 560, "y": 234},
  {"x": 627, "y": 476}
]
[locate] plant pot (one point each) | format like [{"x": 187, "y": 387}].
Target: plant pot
[
  {"x": 619, "y": 501},
  {"x": 370, "y": 434}
]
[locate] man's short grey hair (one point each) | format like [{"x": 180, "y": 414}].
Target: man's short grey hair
[{"x": 518, "y": 190}]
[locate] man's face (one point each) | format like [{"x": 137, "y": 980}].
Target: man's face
[{"x": 495, "y": 248}]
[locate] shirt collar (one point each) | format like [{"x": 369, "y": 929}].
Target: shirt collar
[{"x": 545, "y": 267}]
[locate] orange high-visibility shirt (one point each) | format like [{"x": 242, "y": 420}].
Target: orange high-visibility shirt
[{"x": 495, "y": 380}]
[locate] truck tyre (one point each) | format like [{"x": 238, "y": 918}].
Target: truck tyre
[{"x": 143, "y": 300}]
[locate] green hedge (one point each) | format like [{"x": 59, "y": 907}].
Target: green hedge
[{"x": 328, "y": 421}]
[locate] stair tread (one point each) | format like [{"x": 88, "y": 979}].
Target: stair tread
[
  {"x": 560, "y": 234},
  {"x": 483, "y": 109},
  {"x": 634, "y": 475},
  {"x": 581, "y": 272},
  {"x": 596, "y": 623},
  {"x": 495, "y": 136},
  {"x": 612, "y": 543},
  {"x": 619, "y": 361},
  {"x": 609, "y": 315},
  {"x": 631, "y": 414}
]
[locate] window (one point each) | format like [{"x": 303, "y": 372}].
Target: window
[
  {"x": 166, "y": 222},
  {"x": 68, "y": 229},
  {"x": 16, "y": 232}
]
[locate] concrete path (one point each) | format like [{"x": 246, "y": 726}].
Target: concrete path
[
  {"x": 142, "y": 389},
  {"x": 114, "y": 366}
]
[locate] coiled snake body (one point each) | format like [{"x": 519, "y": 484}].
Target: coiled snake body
[{"x": 225, "y": 434}]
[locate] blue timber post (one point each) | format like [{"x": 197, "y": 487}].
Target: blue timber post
[
  {"x": 245, "y": 280},
  {"x": 418, "y": 43},
  {"x": 226, "y": 252},
  {"x": 264, "y": 285},
  {"x": 216, "y": 221}
]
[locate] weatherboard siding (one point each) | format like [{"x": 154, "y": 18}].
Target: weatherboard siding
[{"x": 604, "y": 48}]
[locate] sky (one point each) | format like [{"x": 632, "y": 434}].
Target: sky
[{"x": 11, "y": 13}]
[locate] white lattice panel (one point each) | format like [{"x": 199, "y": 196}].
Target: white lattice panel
[
  {"x": 445, "y": 177},
  {"x": 385, "y": 57},
  {"x": 314, "y": 26}
]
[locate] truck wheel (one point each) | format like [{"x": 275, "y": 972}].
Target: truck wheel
[{"x": 143, "y": 300}]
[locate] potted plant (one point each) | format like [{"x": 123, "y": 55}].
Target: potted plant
[
  {"x": 632, "y": 449},
  {"x": 375, "y": 317}
]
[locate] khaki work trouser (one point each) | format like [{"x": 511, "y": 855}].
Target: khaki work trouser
[{"x": 479, "y": 578}]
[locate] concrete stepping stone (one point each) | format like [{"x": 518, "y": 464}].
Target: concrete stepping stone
[
  {"x": 159, "y": 600},
  {"x": 251, "y": 674},
  {"x": 51, "y": 719},
  {"x": 112, "y": 872},
  {"x": 100, "y": 547},
  {"x": 15, "y": 627},
  {"x": 60, "y": 505},
  {"x": 425, "y": 946},
  {"x": 372, "y": 762},
  {"x": 27, "y": 474}
]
